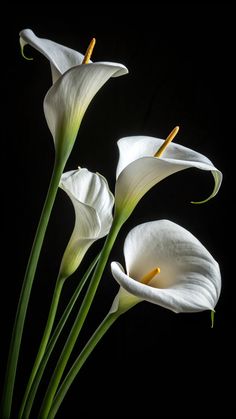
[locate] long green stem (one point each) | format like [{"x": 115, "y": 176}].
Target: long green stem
[
  {"x": 44, "y": 341},
  {"x": 52, "y": 342},
  {"x": 25, "y": 292},
  {"x": 85, "y": 306},
  {"x": 79, "y": 362}
]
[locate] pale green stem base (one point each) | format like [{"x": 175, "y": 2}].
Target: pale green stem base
[
  {"x": 85, "y": 306},
  {"x": 79, "y": 362},
  {"x": 25, "y": 293},
  {"x": 52, "y": 342}
]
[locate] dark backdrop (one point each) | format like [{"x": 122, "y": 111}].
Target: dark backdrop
[{"x": 152, "y": 363}]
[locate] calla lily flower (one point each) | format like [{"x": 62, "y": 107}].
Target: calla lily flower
[
  {"x": 166, "y": 265},
  {"x": 67, "y": 100},
  {"x": 139, "y": 170},
  {"x": 93, "y": 203},
  {"x": 75, "y": 85}
]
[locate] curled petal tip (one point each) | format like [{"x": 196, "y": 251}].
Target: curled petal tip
[{"x": 22, "y": 45}]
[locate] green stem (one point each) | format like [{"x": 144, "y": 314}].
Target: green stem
[
  {"x": 26, "y": 290},
  {"x": 85, "y": 306},
  {"x": 53, "y": 340},
  {"x": 44, "y": 341},
  {"x": 79, "y": 362}
]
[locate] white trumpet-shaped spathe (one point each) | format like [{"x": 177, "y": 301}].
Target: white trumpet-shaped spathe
[
  {"x": 75, "y": 85},
  {"x": 139, "y": 170},
  {"x": 189, "y": 279},
  {"x": 68, "y": 98},
  {"x": 93, "y": 203}
]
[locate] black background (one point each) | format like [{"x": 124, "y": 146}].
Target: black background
[{"x": 152, "y": 363}]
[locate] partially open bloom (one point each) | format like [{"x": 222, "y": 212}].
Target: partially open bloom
[
  {"x": 139, "y": 170},
  {"x": 93, "y": 203},
  {"x": 166, "y": 265},
  {"x": 76, "y": 82}
]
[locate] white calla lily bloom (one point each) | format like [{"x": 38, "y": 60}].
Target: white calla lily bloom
[
  {"x": 139, "y": 170},
  {"x": 93, "y": 203},
  {"x": 166, "y": 265},
  {"x": 76, "y": 81},
  {"x": 67, "y": 100}
]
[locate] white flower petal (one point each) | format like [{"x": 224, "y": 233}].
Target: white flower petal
[
  {"x": 91, "y": 189},
  {"x": 93, "y": 202},
  {"x": 85, "y": 233},
  {"x": 138, "y": 170},
  {"x": 189, "y": 278},
  {"x": 61, "y": 58},
  {"x": 133, "y": 148},
  {"x": 87, "y": 224},
  {"x": 67, "y": 100}
]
